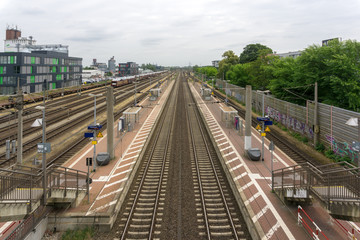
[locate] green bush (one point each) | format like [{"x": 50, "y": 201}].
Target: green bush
[
  {"x": 319, "y": 147},
  {"x": 79, "y": 234}
]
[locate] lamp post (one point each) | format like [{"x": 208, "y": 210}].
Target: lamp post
[
  {"x": 42, "y": 108},
  {"x": 95, "y": 95}
]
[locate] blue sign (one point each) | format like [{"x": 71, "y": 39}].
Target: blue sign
[
  {"x": 89, "y": 135},
  {"x": 268, "y": 123},
  {"x": 96, "y": 127},
  {"x": 263, "y": 118}
]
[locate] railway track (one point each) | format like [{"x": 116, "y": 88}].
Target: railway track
[
  {"x": 280, "y": 142},
  {"x": 144, "y": 208},
  {"x": 180, "y": 190},
  {"x": 31, "y": 144},
  {"x": 217, "y": 211}
]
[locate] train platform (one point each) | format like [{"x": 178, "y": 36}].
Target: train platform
[
  {"x": 111, "y": 181},
  {"x": 272, "y": 219}
]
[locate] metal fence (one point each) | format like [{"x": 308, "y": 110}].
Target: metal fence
[
  {"x": 28, "y": 224},
  {"x": 331, "y": 183},
  {"x": 334, "y": 133}
]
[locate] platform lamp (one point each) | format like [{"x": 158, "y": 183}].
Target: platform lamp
[
  {"x": 95, "y": 95},
  {"x": 43, "y": 124},
  {"x": 354, "y": 122}
]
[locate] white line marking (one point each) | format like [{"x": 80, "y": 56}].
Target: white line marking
[
  {"x": 122, "y": 166},
  {"x": 228, "y": 154},
  {"x": 236, "y": 167},
  {"x": 220, "y": 134},
  {"x": 102, "y": 207},
  {"x": 120, "y": 173},
  {"x": 225, "y": 148},
  {"x": 222, "y": 144},
  {"x": 246, "y": 186},
  {"x": 136, "y": 151},
  {"x": 259, "y": 214},
  {"x": 116, "y": 182},
  {"x": 252, "y": 198},
  {"x": 126, "y": 159},
  {"x": 216, "y": 132},
  {"x": 108, "y": 194},
  {"x": 230, "y": 161},
  {"x": 218, "y": 140},
  {"x": 272, "y": 231},
  {"x": 266, "y": 199},
  {"x": 240, "y": 176}
]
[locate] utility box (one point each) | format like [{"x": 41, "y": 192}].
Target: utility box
[
  {"x": 131, "y": 115},
  {"x": 154, "y": 94},
  {"x": 206, "y": 93},
  {"x": 228, "y": 115}
]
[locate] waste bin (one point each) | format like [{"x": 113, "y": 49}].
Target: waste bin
[{"x": 103, "y": 158}]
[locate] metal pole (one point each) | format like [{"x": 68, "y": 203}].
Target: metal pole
[
  {"x": 248, "y": 118},
  {"x": 262, "y": 130},
  {"x": 358, "y": 160},
  {"x": 88, "y": 180},
  {"x": 44, "y": 140},
  {"x": 94, "y": 159},
  {"x": 272, "y": 167},
  {"x": 262, "y": 141},
  {"x": 316, "y": 121},
  {"x": 135, "y": 93},
  {"x": 226, "y": 100},
  {"x": 19, "y": 105},
  {"x": 110, "y": 121}
]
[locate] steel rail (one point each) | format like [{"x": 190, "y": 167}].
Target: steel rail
[{"x": 155, "y": 145}]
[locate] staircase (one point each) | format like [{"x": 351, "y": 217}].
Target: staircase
[
  {"x": 21, "y": 189},
  {"x": 336, "y": 185}
]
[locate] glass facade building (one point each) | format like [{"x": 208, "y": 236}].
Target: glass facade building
[{"x": 31, "y": 69}]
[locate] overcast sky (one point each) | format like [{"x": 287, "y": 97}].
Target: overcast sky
[{"x": 177, "y": 32}]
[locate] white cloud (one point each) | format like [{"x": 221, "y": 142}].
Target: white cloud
[{"x": 179, "y": 32}]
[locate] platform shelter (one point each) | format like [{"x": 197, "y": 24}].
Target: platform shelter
[
  {"x": 131, "y": 116},
  {"x": 206, "y": 94},
  {"x": 154, "y": 94},
  {"x": 228, "y": 115}
]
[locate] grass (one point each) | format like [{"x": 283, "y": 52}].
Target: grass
[{"x": 79, "y": 234}]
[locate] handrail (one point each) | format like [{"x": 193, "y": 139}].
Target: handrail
[{"x": 315, "y": 234}]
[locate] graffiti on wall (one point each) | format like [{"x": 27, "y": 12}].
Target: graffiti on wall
[
  {"x": 290, "y": 122},
  {"x": 342, "y": 148}
]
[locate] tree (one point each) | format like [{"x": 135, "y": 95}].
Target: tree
[
  {"x": 335, "y": 67},
  {"x": 252, "y": 52},
  {"x": 239, "y": 74},
  {"x": 230, "y": 59}
]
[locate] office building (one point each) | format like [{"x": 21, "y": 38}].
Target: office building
[{"x": 32, "y": 66}]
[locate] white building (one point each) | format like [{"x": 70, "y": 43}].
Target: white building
[{"x": 289, "y": 54}]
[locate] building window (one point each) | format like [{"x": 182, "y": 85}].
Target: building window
[
  {"x": 2, "y": 70},
  {"x": 55, "y": 61},
  {"x": 16, "y": 69},
  {"x": 33, "y": 61},
  {"x": 1, "y": 80},
  {"x": 32, "y": 79},
  {"x": 58, "y": 77}
]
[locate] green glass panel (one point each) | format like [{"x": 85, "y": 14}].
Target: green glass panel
[
  {"x": 11, "y": 59},
  {"x": 1, "y": 80},
  {"x": 54, "y": 86},
  {"x": 32, "y": 79},
  {"x": 32, "y": 60},
  {"x": 54, "y": 69},
  {"x": 65, "y": 69},
  {"x": 31, "y": 69},
  {"x": 1, "y": 70}
]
